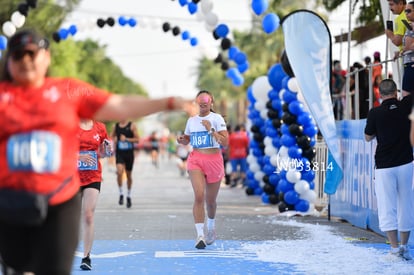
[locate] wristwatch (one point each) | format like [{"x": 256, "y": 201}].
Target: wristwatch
[{"x": 212, "y": 130}]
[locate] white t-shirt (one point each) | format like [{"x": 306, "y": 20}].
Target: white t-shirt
[{"x": 199, "y": 136}]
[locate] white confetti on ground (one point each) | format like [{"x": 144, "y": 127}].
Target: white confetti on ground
[{"x": 323, "y": 252}]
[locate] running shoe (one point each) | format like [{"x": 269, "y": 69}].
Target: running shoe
[
  {"x": 121, "y": 199},
  {"x": 211, "y": 236},
  {"x": 200, "y": 243},
  {"x": 129, "y": 203},
  {"x": 394, "y": 257},
  {"x": 86, "y": 263},
  {"x": 405, "y": 253}
]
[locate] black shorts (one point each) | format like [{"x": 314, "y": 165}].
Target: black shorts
[
  {"x": 126, "y": 158},
  {"x": 96, "y": 185}
]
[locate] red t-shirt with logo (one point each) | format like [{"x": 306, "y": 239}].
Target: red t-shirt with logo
[
  {"x": 238, "y": 145},
  {"x": 38, "y": 140},
  {"x": 90, "y": 143}
]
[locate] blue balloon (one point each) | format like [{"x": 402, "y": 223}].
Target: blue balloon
[
  {"x": 63, "y": 34},
  {"x": 302, "y": 206},
  {"x": 277, "y": 104},
  {"x": 73, "y": 30},
  {"x": 266, "y": 160},
  {"x": 269, "y": 169},
  {"x": 274, "y": 179},
  {"x": 243, "y": 67},
  {"x": 257, "y": 152},
  {"x": 284, "y": 186},
  {"x": 232, "y": 51},
  {"x": 270, "y": 23},
  {"x": 132, "y": 22},
  {"x": 287, "y": 140},
  {"x": 285, "y": 129},
  {"x": 312, "y": 185},
  {"x": 249, "y": 174},
  {"x": 291, "y": 197},
  {"x": 273, "y": 94},
  {"x": 296, "y": 107},
  {"x": 271, "y": 132},
  {"x": 308, "y": 174},
  {"x": 3, "y": 42},
  {"x": 238, "y": 80},
  {"x": 182, "y": 2},
  {"x": 253, "y": 184},
  {"x": 193, "y": 41},
  {"x": 185, "y": 35},
  {"x": 192, "y": 7},
  {"x": 222, "y": 30},
  {"x": 310, "y": 130},
  {"x": 289, "y": 96},
  {"x": 258, "y": 191},
  {"x": 285, "y": 81},
  {"x": 275, "y": 76},
  {"x": 295, "y": 152},
  {"x": 276, "y": 142},
  {"x": 231, "y": 73},
  {"x": 265, "y": 198},
  {"x": 282, "y": 174},
  {"x": 259, "y": 6},
  {"x": 240, "y": 58},
  {"x": 304, "y": 119},
  {"x": 250, "y": 95},
  {"x": 122, "y": 21}
]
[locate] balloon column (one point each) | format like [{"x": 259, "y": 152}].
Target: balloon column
[{"x": 281, "y": 167}]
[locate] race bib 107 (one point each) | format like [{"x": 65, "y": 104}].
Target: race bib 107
[{"x": 37, "y": 151}]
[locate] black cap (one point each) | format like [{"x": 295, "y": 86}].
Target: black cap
[{"x": 25, "y": 37}]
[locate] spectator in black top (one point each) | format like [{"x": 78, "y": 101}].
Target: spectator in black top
[{"x": 389, "y": 124}]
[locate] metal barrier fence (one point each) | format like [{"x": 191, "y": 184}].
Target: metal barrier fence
[{"x": 321, "y": 158}]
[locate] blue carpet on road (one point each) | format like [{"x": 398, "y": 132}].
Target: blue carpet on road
[{"x": 179, "y": 257}]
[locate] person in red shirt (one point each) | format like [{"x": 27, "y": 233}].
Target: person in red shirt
[
  {"x": 94, "y": 144},
  {"x": 238, "y": 149},
  {"x": 39, "y": 151}
]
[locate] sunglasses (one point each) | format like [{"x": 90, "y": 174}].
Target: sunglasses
[
  {"x": 408, "y": 10},
  {"x": 20, "y": 54}
]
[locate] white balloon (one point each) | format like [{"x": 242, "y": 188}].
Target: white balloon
[
  {"x": 310, "y": 196},
  {"x": 281, "y": 92},
  {"x": 259, "y": 175},
  {"x": 260, "y": 105},
  {"x": 267, "y": 141},
  {"x": 254, "y": 167},
  {"x": 211, "y": 19},
  {"x": 283, "y": 151},
  {"x": 293, "y": 176},
  {"x": 18, "y": 19},
  {"x": 270, "y": 151},
  {"x": 209, "y": 52},
  {"x": 274, "y": 160},
  {"x": 8, "y": 28},
  {"x": 261, "y": 88},
  {"x": 251, "y": 159},
  {"x": 263, "y": 113},
  {"x": 209, "y": 28},
  {"x": 301, "y": 186},
  {"x": 293, "y": 84},
  {"x": 200, "y": 16},
  {"x": 143, "y": 22},
  {"x": 206, "y": 6}
]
